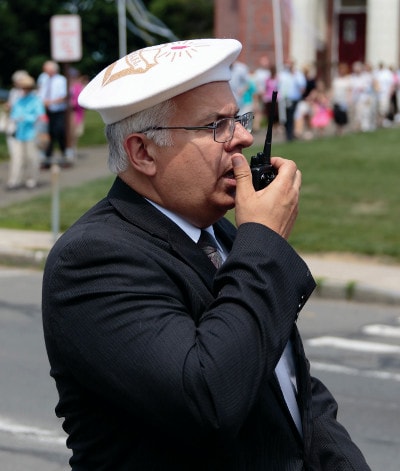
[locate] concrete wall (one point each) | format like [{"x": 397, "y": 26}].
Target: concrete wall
[{"x": 383, "y": 20}]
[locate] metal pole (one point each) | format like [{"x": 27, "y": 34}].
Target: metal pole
[
  {"x": 55, "y": 201},
  {"x": 122, "y": 27}
]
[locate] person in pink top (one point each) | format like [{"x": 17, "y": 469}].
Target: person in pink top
[{"x": 77, "y": 83}]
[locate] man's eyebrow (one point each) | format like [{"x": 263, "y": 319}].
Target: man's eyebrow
[{"x": 215, "y": 116}]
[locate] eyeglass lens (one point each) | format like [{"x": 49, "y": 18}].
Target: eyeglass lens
[
  {"x": 225, "y": 127},
  {"x": 247, "y": 121}
]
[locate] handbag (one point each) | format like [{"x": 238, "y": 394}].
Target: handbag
[
  {"x": 3, "y": 121},
  {"x": 7, "y": 125}
]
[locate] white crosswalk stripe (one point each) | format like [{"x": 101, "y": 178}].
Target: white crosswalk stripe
[
  {"x": 377, "y": 342},
  {"x": 346, "y": 370},
  {"x": 382, "y": 330},
  {"x": 32, "y": 433},
  {"x": 350, "y": 344}
]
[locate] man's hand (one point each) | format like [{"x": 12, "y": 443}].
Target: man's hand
[{"x": 275, "y": 206}]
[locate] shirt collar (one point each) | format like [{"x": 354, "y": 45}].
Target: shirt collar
[{"x": 192, "y": 231}]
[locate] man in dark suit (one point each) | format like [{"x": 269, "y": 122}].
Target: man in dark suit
[{"x": 163, "y": 358}]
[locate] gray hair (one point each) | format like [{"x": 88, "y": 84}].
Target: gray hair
[{"x": 116, "y": 133}]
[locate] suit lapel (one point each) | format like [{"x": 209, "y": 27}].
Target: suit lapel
[
  {"x": 143, "y": 215},
  {"x": 225, "y": 233}
]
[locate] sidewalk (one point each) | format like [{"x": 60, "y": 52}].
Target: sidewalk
[
  {"x": 338, "y": 276},
  {"x": 91, "y": 164}
]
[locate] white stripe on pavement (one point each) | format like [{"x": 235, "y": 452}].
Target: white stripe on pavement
[
  {"x": 33, "y": 433},
  {"x": 356, "y": 345},
  {"x": 381, "y": 329},
  {"x": 384, "y": 375}
]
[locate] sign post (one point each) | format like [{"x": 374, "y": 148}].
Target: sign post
[{"x": 66, "y": 47}]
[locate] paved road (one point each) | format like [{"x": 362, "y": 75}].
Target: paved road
[
  {"x": 353, "y": 348},
  {"x": 31, "y": 438}
]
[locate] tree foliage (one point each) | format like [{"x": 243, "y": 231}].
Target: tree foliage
[
  {"x": 25, "y": 30},
  {"x": 187, "y": 18}
]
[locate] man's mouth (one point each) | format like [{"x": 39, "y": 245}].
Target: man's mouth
[{"x": 230, "y": 175}]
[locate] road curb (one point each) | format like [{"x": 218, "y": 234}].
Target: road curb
[
  {"x": 355, "y": 291},
  {"x": 326, "y": 289},
  {"x": 24, "y": 258}
]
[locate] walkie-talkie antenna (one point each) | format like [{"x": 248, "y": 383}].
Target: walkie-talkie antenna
[
  {"x": 268, "y": 137},
  {"x": 262, "y": 171}
]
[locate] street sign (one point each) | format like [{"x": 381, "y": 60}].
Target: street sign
[{"x": 66, "y": 38}]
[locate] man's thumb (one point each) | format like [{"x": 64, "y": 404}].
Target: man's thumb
[{"x": 241, "y": 171}]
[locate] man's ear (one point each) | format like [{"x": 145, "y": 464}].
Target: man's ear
[{"x": 137, "y": 148}]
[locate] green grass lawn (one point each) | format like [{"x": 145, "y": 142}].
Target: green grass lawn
[
  {"x": 350, "y": 195},
  {"x": 350, "y": 199}
]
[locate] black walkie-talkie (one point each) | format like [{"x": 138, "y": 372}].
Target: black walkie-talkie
[{"x": 261, "y": 169}]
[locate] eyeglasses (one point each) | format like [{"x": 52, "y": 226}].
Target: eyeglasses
[{"x": 222, "y": 129}]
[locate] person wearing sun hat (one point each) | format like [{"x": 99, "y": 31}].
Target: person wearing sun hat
[
  {"x": 165, "y": 356},
  {"x": 7, "y": 125},
  {"x": 24, "y": 165}
]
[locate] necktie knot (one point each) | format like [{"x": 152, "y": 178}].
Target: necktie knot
[{"x": 208, "y": 245}]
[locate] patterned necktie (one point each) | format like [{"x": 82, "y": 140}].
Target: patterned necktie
[{"x": 208, "y": 245}]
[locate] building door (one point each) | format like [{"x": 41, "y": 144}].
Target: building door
[{"x": 352, "y": 37}]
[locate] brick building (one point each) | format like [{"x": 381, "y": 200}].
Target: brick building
[{"x": 318, "y": 32}]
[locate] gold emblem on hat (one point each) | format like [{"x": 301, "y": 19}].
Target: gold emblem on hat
[{"x": 141, "y": 61}]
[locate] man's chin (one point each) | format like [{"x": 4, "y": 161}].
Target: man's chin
[{"x": 230, "y": 203}]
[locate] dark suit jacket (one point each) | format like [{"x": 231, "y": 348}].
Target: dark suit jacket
[{"x": 163, "y": 364}]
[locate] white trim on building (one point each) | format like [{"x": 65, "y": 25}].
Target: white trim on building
[{"x": 382, "y": 39}]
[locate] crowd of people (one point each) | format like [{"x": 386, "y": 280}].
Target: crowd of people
[
  {"x": 360, "y": 98},
  {"x": 41, "y": 116}
]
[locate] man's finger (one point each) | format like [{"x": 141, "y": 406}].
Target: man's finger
[{"x": 242, "y": 174}]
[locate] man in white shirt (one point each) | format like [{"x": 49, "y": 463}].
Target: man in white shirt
[
  {"x": 54, "y": 93},
  {"x": 386, "y": 85}
]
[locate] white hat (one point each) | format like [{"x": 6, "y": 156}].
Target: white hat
[
  {"x": 26, "y": 81},
  {"x": 154, "y": 74},
  {"x": 18, "y": 74}
]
